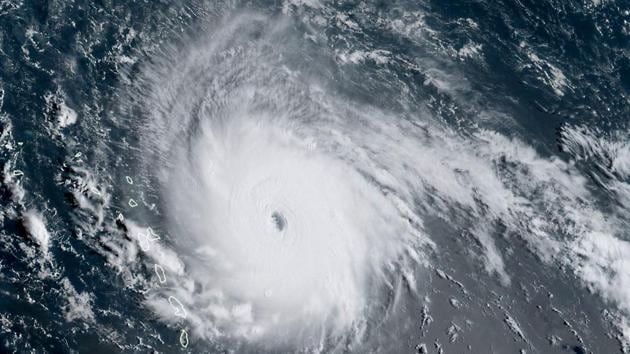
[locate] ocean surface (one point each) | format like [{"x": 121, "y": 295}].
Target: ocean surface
[{"x": 315, "y": 176}]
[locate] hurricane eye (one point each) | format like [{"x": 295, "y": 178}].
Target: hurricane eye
[{"x": 279, "y": 221}]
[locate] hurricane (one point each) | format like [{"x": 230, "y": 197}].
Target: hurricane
[
  {"x": 315, "y": 177},
  {"x": 286, "y": 224}
]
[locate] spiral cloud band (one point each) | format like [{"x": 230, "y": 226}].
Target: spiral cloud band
[{"x": 295, "y": 210}]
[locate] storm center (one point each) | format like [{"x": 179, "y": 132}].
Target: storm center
[{"x": 279, "y": 221}]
